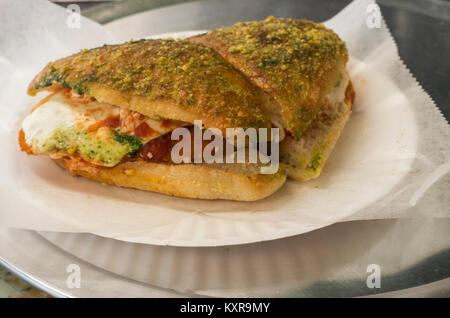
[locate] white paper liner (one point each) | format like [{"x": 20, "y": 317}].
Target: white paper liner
[{"x": 391, "y": 161}]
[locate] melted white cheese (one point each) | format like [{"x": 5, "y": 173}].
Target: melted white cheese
[
  {"x": 337, "y": 94},
  {"x": 41, "y": 124},
  {"x": 66, "y": 124}
]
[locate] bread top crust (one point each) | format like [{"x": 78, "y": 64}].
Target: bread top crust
[
  {"x": 295, "y": 61},
  {"x": 169, "y": 79}
]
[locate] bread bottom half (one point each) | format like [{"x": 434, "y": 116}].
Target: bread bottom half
[{"x": 184, "y": 180}]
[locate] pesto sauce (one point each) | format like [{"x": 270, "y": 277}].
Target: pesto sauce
[
  {"x": 316, "y": 161},
  {"x": 132, "y": 142},
  {"x": 106, "y": 148}
]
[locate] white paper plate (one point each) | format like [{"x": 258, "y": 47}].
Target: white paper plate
[{"x": 374, "y": 153}]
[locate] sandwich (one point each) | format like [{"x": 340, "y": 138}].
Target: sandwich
[
  {"x": 299, "y": 67},
  {"x": 111, "y": 113}
]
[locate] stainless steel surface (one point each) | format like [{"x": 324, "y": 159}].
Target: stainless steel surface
[
  {"x": 84, "y": 4},
  {"x": 413, "y": 255},
  {"x": 329, "y": 262},
  {"x": 43, "y": 265}
]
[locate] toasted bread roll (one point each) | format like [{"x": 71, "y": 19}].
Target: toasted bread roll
[
  {"x": 295, "y": 62},
  {"x": 187, "y": 180},
  {"x": 179, "y": 80},
  {"x": 299, "y": 66},
  {"x": 114, "y": 119}
]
